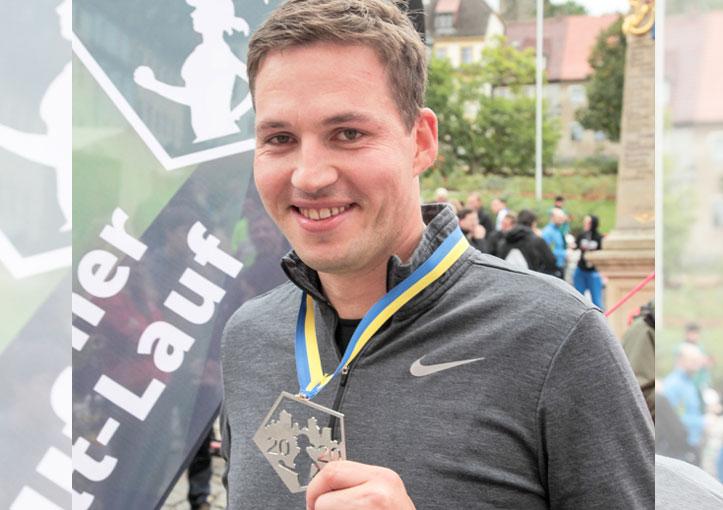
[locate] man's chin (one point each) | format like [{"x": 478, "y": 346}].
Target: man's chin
[{"x": 327, "y": 261}]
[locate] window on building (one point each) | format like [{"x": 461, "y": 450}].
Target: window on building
[
  {"x": 577, "y": 94},
  {"x": 444, "y": 23},
  {"x": 440, "y": 53},
  {"x": 600, "y": 136},
  {"x": 466, "y": 54},
  {"x": 576, "y": 131}
]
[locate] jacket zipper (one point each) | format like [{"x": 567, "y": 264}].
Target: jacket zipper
[{"x": 333, "y": 422}]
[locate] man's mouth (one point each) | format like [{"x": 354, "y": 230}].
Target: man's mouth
[{"x": 323, "y": 213}]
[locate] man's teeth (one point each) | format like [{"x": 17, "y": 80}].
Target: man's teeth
[{"x": 322, "y": 214}]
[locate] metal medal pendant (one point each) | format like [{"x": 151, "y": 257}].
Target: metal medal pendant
[{"x": 298, "y": 452}]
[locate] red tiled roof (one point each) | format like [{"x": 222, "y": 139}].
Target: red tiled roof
[
  {"x": 446, "y": 6},
  {"x": 567, "y": 43},
  {"x": 693, "y": 60}
]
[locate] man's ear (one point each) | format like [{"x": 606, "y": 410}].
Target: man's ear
[{"x": 425, "y": 129}]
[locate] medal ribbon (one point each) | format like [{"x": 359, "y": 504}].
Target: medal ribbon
[{"x": 308, "y": 362}]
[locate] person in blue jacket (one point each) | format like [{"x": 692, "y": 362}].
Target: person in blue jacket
[{"x": 555, "y": 239}]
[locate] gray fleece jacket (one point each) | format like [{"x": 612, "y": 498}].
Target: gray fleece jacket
[{"x": 551, "y": 417}]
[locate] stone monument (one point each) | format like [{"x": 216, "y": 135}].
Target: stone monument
[{"x": 628, "y": 253}]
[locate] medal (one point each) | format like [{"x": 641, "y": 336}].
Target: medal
[
  {"x": 297, "y": 451},
  {"x": 291, "y": 436}
]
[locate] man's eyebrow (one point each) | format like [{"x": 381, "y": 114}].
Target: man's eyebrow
[
  {"x": 343, "y": 118},
  {"x": 271, "y": 124},
  {"x": 334, "y": 120}
]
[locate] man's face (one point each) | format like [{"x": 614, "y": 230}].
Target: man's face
[
  {"x": 496, "y": 205},
  {"x": 335, "y": 166},
  {"x": 506, "y": 224},
  {"x": 558, "y": 217},
  {"x": 469, "y": 222},
  {"x": 474, "y": 202}
]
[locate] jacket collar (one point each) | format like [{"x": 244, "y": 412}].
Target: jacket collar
[{"x": 440, "y": 221}]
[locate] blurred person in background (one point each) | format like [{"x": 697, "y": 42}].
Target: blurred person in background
[
  {"x": 494, "y": 240},
  {"x": 681, "y": 391},
  {"x": 475, "y": 233},
  {"x": 555, "y": 239},
  {"x": 520, "y": 246},
  {"x": 441, "y": 195},
  {"x": 586, "y": 276},
  {"x": 499, "y": 209},
  {"x": 560, "y": 204},
  {"x": 474, "y": 202},
  {"x": 639, "y": 346},
  {"x": 692, "y": 337}
]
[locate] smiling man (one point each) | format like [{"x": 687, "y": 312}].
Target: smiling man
[{"x": 464, "y": 383}]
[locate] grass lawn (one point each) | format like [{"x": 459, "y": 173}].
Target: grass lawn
[{"x": 584, "y": 194}]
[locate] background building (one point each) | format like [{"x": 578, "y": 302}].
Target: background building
[
  {"x": 459, "y": 29},
  {"x": 694, "y": 160},
  {"x": 567, "y": 44}
]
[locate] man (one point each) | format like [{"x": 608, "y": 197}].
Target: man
[
  {"x": 681, "y": 391},
  {"x": 559, "y": 203},
  {"x": 475, "y": 233},
  {"x": 474, "y": 202},
  {"x": 555, "y": 239},
  {"x": 639, "y": 346},
  {"x": 702, "y": 377},
  {"x": 496, "y": 238},
  {"x": 499, "y": 209},
  {"x": 489, "y": 387},
  {"x": 520, "y": 243}
]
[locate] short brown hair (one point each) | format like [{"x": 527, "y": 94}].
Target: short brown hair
[{"x": 378, "y": 24}]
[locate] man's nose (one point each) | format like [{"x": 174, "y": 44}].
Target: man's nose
[{"x": 314, "y": 170}]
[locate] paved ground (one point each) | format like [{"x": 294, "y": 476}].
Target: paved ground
[{"x": 177, "y": 499}]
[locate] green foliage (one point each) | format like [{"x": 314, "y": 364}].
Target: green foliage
[
  {"x": 605, "y": 87},
  {"x": 569, "y": 8},
  {"x": 441, "y": 97},
  {"x": 599, "y": 164},
  {"x": 487, "y": 120}
]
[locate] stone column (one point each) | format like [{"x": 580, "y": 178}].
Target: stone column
[{"x": 628, "y": 253}]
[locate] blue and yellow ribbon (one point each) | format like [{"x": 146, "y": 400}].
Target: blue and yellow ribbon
[{"x": 308, "y": 362}]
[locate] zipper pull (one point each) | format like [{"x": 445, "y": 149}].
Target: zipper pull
[{"x": 344, "y": 375}]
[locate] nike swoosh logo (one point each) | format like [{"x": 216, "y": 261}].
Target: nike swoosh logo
[{"x": 419, "y": 370}]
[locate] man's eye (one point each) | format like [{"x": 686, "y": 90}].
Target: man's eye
[
  {"x": 279, "y": 140},
  {"x": 349, "y": 134}
]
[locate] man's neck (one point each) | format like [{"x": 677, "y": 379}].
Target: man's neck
[{"x": 353, "y": 294}]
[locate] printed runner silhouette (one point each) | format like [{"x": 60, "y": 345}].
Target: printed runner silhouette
[{"x": 209, "y": 73}]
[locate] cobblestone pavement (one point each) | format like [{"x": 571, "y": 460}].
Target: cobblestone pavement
[{"x": 177, "y": 498}]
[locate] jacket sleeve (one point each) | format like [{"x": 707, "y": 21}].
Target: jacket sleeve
[
  {"x": 596, "y": 436},
  {"x": 225, "y": 445},
  {"x": 547, "y": 259}
]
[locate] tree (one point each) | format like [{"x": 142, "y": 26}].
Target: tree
[
  {"x": 487, "y": 118},
  {"x": 605, "y": 88},
  {"x": 569, "y": 8}
]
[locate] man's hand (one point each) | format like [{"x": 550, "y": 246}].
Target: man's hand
[{"x": 354, "y": 486}]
